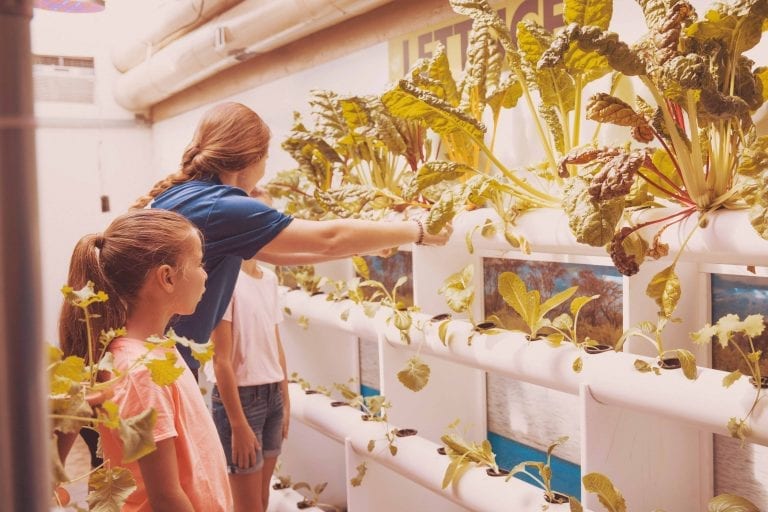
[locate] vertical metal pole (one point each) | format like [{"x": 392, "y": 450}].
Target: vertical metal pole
[{"x": 24, "y": 441}]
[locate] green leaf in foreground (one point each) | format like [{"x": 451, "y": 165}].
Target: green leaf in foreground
[
  {"x": 110, "y": 487},
  {"x": 136, "y": 435}
]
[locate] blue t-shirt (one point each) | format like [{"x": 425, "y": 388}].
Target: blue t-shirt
[{"x": 235, "y": 227}]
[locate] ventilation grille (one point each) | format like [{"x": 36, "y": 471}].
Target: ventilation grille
[{"x": 63, "y": 79}]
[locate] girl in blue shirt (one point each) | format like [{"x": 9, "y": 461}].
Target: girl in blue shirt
[{"x": 221, "y": 165}]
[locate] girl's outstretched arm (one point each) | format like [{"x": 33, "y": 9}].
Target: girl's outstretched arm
[
  {"x": 161, "y": 479},
  {"x": 341, "y": 238}
]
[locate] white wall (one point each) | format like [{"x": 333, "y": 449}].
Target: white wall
[
  {"x": 83, "y": 151},
  {"x": 363, "y": 72}
]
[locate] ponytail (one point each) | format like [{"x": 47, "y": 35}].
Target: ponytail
[{"x": 84, "y": 266}]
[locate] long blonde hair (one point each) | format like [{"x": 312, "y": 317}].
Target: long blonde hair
[
  {"x": 229, "y": 138},
  {"x": 118, "y": 262}
]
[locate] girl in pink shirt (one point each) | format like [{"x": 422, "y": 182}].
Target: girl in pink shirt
[{"x": 149, "y": 262}]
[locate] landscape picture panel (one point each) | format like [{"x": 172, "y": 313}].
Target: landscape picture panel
[
  {"x": 742, "y": 296},
  {"x": 600, "y": 320}
]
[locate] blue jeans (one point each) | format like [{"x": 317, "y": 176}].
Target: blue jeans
[{"x": 263, "y": 408}]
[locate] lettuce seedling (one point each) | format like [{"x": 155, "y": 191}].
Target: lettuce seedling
[{"x": 731, "y": 331}]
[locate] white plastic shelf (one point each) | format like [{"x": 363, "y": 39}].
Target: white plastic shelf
[
  {"x": 417, "y": 459},
  {"x": 612, "y": 378}
]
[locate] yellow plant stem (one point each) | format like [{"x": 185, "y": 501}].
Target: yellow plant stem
[
  {"x": 686, "y": 167},
  {"x": 542, "y": 135},
  {"x": 577, "y": 111},
  {"x": 91, "y": 348},
  {"x": 698, "y": 179},
  {"x": 535, "y": 196}
]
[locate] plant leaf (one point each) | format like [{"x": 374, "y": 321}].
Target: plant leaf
[
  {"x": 556, "y": 300},
  {"x": 416, "y": 374},
  {"x": 442, "y": 332},
  {"x": 664, "y": 289},
  {"x": 688, "y": 363},
  {"x": 642, "y": 366},
  {"x": 731, "y": 503},
  {"x": 164, "y": 371},
  {"x": 357, "y": 480},
  {"x": 592, "y": 222},
  {"x": 579, "y": 302},
  {"x": 109, "y": 488},
  {"x": 442, "y": 213},
  {"x": 136, "y": 434},
  {"x": 732, "y": 377},
  {"x": 407, "y": 101},
  {"x": 458, "y": 289},
  {"x": 608, "y": 495},
  {"x": 577, "y": 365},
  {"x": 361, "y": 267},
  {"x": 432, "y": 173},
  {"x": 588, "y": 12},
  {"x": 516, "y": 295}
]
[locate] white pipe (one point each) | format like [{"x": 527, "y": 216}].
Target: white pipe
[
  {"x": 159, "y": 26},
  {"x": 703, "y": 403},
  {"x": 417, "y": 458},
  {"x": 728, "y": 238},
  {"x": 251, "y": 27}
]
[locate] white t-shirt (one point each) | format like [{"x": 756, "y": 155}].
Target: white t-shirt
[{"x": 255, "y": 310}]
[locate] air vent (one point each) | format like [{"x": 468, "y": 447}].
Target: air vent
[{"x": 64, "y": 79}]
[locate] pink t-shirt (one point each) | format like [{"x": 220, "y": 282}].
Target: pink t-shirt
[
  {"x": 255, "y": 310},
  {"x": 182, "y": 415}
]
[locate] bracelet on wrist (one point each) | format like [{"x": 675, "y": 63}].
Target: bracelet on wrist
[{"x": 420, "y": 239}]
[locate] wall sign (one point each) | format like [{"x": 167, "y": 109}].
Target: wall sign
[{"x": 404, "y": 51}]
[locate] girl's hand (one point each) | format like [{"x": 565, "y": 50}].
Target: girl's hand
[
  {"x": 439, "y": 239},
  {"x": 286, "y": 419},
  {"x": 245, "y": 444}
]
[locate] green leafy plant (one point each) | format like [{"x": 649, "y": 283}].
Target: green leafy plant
[
  {"x": 731, "y": 331},
  {"x": 703, "y": 91},
  {"x": 459, "y": 292},
  {"x": 652, "y": 333},
  {"x": 374, "y": 407},
  {"x": 544, "y": 470},
  {"x": 401, "y": 314},
  {"x": 307, "y": 387},
  {"x": 358, "y": 160},
  {"x": 601, "y": 485},
  {"x": 313, "y": 500},
  {"x": 79, "y": 398},
  {"x": 302, "y": 277},
  {"x": 465, "y": 455},
  {"x": 283, "y": 481},
  {"x": 527, "y": 303},
  {"x": 495, "y": 81}
]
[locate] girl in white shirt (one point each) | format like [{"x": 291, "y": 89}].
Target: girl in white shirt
[{"x": 250, "y": 402}]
